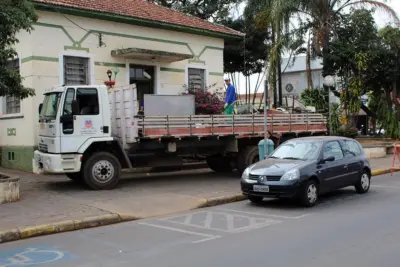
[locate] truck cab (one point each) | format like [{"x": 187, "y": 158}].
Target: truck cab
[{"x": 70, "y": 119}]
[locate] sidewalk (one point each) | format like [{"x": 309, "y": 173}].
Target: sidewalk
[{"x": 52, "y": 199}]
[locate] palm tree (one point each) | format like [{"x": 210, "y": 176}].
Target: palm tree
[{"x": 321, "y": 15}]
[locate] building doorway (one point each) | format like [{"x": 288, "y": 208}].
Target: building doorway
[{"x": 143, "y": 77}]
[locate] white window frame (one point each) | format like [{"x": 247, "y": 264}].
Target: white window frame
[
  {"x": 194, "y": 66},
  {"x": 3, "y": 101},
  {"x": 76, "y": 54},
  {"x": 157, "y": 77}
]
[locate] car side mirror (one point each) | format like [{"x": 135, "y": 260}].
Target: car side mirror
[
  {"x": 74, "y": 107},
  {"x": 328, "y": 159},
  {"x": 40, "y": 107}
]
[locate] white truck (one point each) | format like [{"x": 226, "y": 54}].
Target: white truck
[{"x": 91, "y": 133}]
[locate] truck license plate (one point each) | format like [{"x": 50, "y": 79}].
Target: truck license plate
[{"x": 261, "y": 188}]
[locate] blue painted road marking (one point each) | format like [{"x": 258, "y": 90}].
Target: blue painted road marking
[{"x": 32, "y": 256}]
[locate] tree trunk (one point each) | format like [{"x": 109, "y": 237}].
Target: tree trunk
[
  {"x": 273, "y": 80},
  {"x": 279, "y": 71},
  {"x": 308, "y": 65}
]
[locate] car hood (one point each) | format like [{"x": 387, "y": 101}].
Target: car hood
[{"x": 276, "y": 167}]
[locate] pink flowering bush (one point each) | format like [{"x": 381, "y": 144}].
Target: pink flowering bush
[{"x": 207, "y": 103}]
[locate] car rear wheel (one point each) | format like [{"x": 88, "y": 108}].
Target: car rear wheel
[
  {"x": 310, "y": 194},
  {"x": 255, "y": 199},
  {"x": 364, "y": 183}
]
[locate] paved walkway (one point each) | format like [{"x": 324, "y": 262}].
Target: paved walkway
[{"x": 49, "y": 199}]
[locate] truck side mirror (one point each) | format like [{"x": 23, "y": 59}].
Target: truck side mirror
[
  {"x": 74, "y": 107},
  {"x": 40, "y": 107}
]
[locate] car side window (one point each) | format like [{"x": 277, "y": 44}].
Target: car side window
[
  {"x": 351, "y": 148},
  {"x": 333, "y": 149}
]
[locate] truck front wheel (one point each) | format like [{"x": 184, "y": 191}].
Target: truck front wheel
[{"x": 102, "y": 171}]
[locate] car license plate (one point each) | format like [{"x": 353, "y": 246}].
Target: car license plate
[{"x": 261, "y": 188}]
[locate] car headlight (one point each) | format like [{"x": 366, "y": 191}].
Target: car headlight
[
  {"x": 246, "y": 173},
  {"x": 291, "y": 175}
]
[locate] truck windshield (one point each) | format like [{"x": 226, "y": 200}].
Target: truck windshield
[{"x": 50, "y": 105}]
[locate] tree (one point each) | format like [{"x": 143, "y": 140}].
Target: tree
[
  {"x": 246, "y": 56},
  {"x": 215, "y": 10},
  {"x": 321, "y": 17},
  {"x": 351, "y": 58},
  {"x": 15, "y": 15}
]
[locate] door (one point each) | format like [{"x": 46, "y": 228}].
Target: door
[
  {"x": 333, "y": 173},
  {"x": 86, "y": 124},
  {"x": 143, "y": 77},
  {"x": 352, "y": 153}
]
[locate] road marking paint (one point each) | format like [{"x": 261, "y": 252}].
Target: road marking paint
[
  {"x": 244, "y": 229},
  {"x": 207, "y": 236},
  {"x": 263, "y": 214},
  {"x": 386, "y": 186},
  {"x": 208, "y": 219}
]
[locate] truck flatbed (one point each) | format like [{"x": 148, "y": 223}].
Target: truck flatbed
[{"x": 233, "y": 125}]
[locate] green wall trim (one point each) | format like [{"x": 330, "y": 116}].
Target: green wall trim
[
  {"x": 209, "y": 47},
  {"x": 216, "y": 73},
  {"x": 133, "y": 20},
  {"x": 197, "y": 61},
  {"x": 17, "y": 157},
  {"x": 39, "y": 58},
  {"x": 171, "y": 69},
  {"x": 110, "y": 64},
  {"x": 68, "y": 47},
  {"x": 57, "y": 27},
  {"x": 77, "y": 45},
  {"x": 54, "y": 59}
]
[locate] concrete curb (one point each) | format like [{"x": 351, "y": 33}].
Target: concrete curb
[
  {"x": 90, "y": 222},
  {"x": 65, "y": 226},
  {"x": 383, "y": 171}
]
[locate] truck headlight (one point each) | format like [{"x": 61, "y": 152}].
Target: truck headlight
[
  {"x": 246, "y": 173},
  {"x": 291, "y": 175}
]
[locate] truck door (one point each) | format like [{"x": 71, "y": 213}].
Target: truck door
[{"x": 86, "y": 124}]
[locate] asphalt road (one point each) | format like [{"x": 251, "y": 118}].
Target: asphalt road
[{"x": 345, "y": 229}]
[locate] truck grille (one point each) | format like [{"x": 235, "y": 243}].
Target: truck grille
[
  {"x": 269, "y": 178},
  {"x": 43, "y": 148}
]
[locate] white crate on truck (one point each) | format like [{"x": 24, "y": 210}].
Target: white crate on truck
[{"x": 124, "y": 106}]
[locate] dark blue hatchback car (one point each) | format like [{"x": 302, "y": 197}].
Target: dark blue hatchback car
[{"x": 304, "y": 168}]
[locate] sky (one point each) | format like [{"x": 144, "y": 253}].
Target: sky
[{"x": 381, "y": 19}]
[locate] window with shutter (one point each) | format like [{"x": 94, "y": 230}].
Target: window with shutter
[
  {"x": 76, "y": 70},
  {"x": 196, "y": 79},
  {"x": 13, "y": 104}
]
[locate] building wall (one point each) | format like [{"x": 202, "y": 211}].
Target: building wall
[
  {"x": 299, "y": 81},
  {"x": 55, "y": 35}
]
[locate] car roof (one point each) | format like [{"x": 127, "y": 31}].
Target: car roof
[{"x": 324, "y": 138}]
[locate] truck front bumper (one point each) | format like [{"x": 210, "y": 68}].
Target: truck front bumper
[{"x": 57, "y": 163}]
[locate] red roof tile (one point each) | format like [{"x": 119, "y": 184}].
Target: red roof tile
[{"x": 143, "y": 10}]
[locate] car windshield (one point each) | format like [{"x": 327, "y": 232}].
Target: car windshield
[
  {"x": 297, "y": 150},
  {"x": 50, "y": 105}
]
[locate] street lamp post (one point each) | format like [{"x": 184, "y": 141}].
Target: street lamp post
[{"x": 329, "y": 81}]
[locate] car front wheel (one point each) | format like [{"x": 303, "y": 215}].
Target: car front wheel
[
  {"x": 364, "y": 183},
  {"x": 310, "y": 194}
]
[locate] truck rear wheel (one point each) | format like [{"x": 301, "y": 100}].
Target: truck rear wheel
[
  {"x": 219, "y": 164},
  {"x": 247, "y": 157},
  {"x": 102, "y": 171}
]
